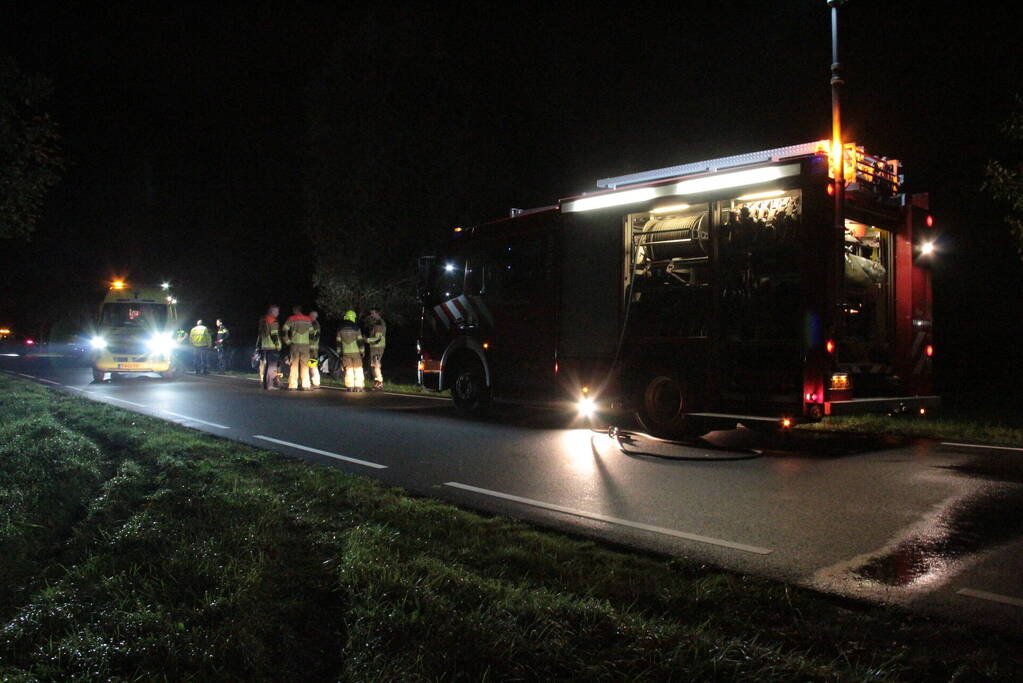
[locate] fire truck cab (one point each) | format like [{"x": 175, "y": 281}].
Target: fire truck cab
[
  {"x": 715, "y": 292},
  {"x": 135, "y": 332}
]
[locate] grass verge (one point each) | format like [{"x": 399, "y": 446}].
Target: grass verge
[
  {"x": 392, "y": 387},
  {"x": 138, "y": 549},
  {"x": 1004, "y": 431}
]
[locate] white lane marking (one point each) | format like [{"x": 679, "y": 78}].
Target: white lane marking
[
  {"x": 310, "y": 449},
  {"x": 119, "y": 400},
  {"x": 195, "y": 419},
  {"x": 980, "y": 445},
  {"x": 615, "y": 520},
  {"x": 993, "y": 597}
]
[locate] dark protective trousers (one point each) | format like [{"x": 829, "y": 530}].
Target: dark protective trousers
[
  {"x": 200, "y": 359},
  {"x": 268, "y": 367}
]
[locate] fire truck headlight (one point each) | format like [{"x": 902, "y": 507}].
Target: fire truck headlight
[
  {"x": 160, "y": 344},
  {"x": 586, "y": 406},
  {"x": 927, "y": 248},
  {"x": 98, "y": 343}
]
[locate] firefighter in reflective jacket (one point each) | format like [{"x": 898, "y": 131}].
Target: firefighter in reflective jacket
[
  {"x": 201, "y": 341},
  {"x": 376, "y": 341},
  {"x": 296, "y": 336},
  {"x": 349, "y": 347},
  {"x": 314, "y": 350},
  {"x": 269, "y": 345}
]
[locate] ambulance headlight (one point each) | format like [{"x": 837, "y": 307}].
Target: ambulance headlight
[
  {"x": 160, "y": 344},
  {"x": 98, "y": 343}
]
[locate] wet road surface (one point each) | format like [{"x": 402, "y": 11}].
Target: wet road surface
[{"x": 937, "y": 528}]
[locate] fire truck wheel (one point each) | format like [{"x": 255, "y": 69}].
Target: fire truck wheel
[
  {"x": 469, "y": 391},
  {"x": 663, "y": 407}
]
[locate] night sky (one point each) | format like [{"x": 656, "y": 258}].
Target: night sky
[{"x": 186, "y": 129}]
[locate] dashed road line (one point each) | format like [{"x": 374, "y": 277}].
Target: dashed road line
[
  {"x": 992, "y": 597},
  {"x": 310, "y": 449},
  {"x": 195, "y": 419},
  {"x": 980, "y": 445},
  {"x": 615, "y": 520}
]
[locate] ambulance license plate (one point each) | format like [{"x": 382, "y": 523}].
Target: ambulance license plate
[{"x": 129, "y": 366}]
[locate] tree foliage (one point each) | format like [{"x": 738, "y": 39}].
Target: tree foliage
[
  {"x": 1005, "y": 178},
  {"x": 30, "y": 159}
]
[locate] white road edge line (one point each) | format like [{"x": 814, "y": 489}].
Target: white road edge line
[
  {"x": 993, "y": 597},
  {"x": 195, "y": 419},
  {"x": 119, "y": 400},
  {"x": 310, "y": 449},
  {"x": 980, "y": 445},
  {"x": 22, "y": 374},
  {"x": 614, "y": 520},
  {"x": 48, "y": 381}
]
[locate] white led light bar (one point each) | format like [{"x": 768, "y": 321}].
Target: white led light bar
[
  {"x": 603, "y": 201},
  {"x": 709, "y": 183}
]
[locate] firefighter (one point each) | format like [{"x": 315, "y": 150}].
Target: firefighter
[
  {"x": 349, "y": 347},
  {"x": 220, "y": 345},
  {"x": 296, "y": 336},
  {"x": 199, "y": 338},
  {"x": 314, "y": 350},
  {"x": 269, "y": 345},
  {"x": 376, "y": 341}
]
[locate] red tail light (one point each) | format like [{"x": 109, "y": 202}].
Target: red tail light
[
  {"x": 830, "y": 346},
  {"x": 930, "y": 221},
  {"x": 929, "y": 350},
  {"x": 30, "y": 341}
]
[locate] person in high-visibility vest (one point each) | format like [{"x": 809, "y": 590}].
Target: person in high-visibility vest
[
  {"x": 349, "y": 347},
  {"x": 296, "y": 336},
  {"x": 201, "y": 341},
  {"x": 314, "y": 350},
  {"x": 220, "y": 345},
  {"x": 269, "y": 345},
  {"x": 376, "y": 341}
]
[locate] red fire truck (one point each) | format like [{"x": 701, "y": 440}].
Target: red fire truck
[{"x": 720, "y": 291}]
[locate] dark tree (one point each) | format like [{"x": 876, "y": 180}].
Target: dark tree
[
  {"x": 30, "y": 160},
  {"x": 1005, "y": 179}
]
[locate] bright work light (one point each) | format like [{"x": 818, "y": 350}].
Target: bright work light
[
  {"x": 586, "y": 406},
  {"x": 98, "y": 343}
]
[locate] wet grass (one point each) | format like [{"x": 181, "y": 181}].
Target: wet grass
[
  {"x": 1002, "y": 430},
  {"x": 144, "y": 550}
]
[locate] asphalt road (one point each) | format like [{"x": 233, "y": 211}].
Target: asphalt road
[{"x": 935, "y": 527}]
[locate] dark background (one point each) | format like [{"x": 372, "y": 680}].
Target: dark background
[{"x": 187, "y": 129}]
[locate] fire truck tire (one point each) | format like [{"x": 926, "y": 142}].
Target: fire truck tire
[
  {"x": 98, "y": 375},
  {"x": 662, "y": 407},
  {"x": 469, "y": 391}
]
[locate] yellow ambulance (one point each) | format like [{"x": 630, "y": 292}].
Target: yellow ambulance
[{"x": 136, "y": 332}]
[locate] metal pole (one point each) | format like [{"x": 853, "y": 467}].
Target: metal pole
[{"x": 838, "y": 157}]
